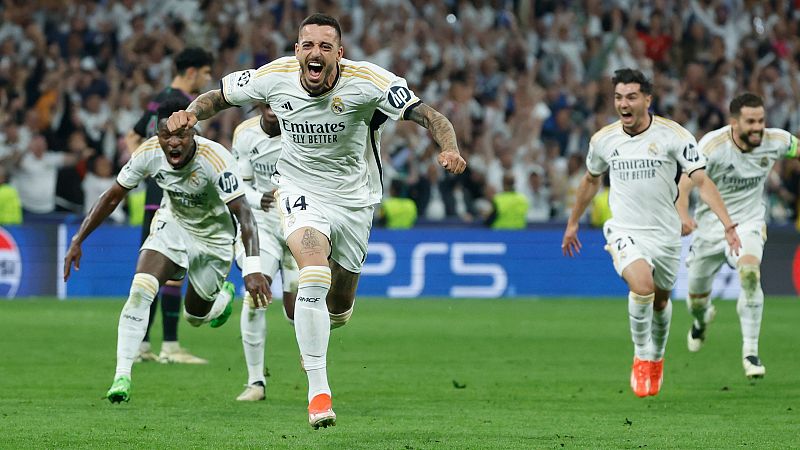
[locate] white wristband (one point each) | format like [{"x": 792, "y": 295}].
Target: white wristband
[{"x": 252, "y": 264}]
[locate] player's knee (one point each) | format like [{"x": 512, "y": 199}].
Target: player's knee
[
  {"x": 144, "y": 289},
  {"x": 642, "y": 287},
  {"x": 340, "y": 319},
  {"x": 698, "y": 302},
  {"x": 750, "y": 277}
]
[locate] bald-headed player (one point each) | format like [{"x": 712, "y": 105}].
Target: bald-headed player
[
  {"x": 739, "y": 158},
  {"x": 192, "y": 74},
  {"x": 192, "y": 235},
  {"x": 331, "y": 111}
]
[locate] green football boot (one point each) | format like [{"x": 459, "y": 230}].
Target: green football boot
[
  {"x": 120, "y": 391},
  {"x": 226, "y": 313}
]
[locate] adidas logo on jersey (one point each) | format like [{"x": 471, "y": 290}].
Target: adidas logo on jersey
[
  {"x": 287, "y": 106},
  {"x": 614, "y": 154}
]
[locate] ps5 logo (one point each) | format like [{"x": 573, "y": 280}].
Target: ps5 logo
[{"x": 457, "y": 253}]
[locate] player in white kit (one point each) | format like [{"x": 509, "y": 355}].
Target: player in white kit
[
  {"x": 331, "y": 111},
  {"x": 739, "y": 157},
  {"x": 256, "y": 146},
  {"x": 192, "y": 235},
  {"x": 644, "y": 155}
]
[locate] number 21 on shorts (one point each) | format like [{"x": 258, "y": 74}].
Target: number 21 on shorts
[{"x": 299, "y": 203}]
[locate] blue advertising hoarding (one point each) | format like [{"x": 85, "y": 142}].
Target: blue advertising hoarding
[{"x": 419, "y": 263}]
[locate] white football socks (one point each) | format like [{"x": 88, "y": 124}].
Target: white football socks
[
  {"x": 660, "y": 331},
  {"x": 750, "y": 307},
  {"x": 312, "y": 326},
  {"x": 253, "y": 325},
  {"x": 133, "y": 320},
  {"x": 640, "y": 314}
]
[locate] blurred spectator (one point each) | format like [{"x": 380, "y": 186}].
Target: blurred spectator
[
  {"x": 398, "y": 212},
  {"x": 10, "y": 206},
  {"x": 600, "y": 210},
  {"x": 98, "y": 180},
  {"x": 524, "y": 83},
  {"x": 35, "y": 176},
  {"x": 510, "y": 208},
  {"x": 539, "y": 209}
]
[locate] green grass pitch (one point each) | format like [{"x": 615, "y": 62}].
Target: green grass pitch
[{"x": 406, "y": 374}]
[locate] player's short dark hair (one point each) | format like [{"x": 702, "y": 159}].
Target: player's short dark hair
[
  {"x": 747, "y": 99},
  {"x": 192, "y": 57},
  {"x": 323, "y": 20},
  {"x": 626, "y": 76},
  {"x": 170, "y": 106}
]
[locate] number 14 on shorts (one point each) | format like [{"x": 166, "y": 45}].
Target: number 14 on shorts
[{"x": 299, "y": 203}]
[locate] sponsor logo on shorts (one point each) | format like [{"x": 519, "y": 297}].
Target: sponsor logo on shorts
[
  {"x": 308, "y": 299},
  {"x": 135, "y": 319}
]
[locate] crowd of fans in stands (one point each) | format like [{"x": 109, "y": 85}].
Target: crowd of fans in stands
[{"x": 524, "y": 82}]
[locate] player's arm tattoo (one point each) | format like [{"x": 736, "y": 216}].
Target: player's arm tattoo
[
  {"x": 440, "y": 127},
  {"x": 208, "y": 104}
]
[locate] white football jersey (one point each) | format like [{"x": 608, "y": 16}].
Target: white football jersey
[
  {"x": 644, "y": 172},
  {"x": 195, "y": 194},
  {"x": 740, "y": 176},
  {"x": 331, "y": 142},
  {"x": 256, "y": 154}
]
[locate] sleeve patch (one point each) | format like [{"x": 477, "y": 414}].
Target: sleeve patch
[
  {"x": 398, "y": 96},
  {"x": 228, "y": 183}
]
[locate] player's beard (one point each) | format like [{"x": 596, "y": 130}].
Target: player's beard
[{"x": 747, "y": 138}]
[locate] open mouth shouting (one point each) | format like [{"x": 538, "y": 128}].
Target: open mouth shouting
[
  {"x": 315, "y": 71},
  {"x": 627, "y": 117},
  {"x": 174, "y": 156}
]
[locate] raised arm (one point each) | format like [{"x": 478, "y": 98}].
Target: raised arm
[
  {"x": 254, "y": 280},
  {"x": 443, "y": 133},
  {"x": 104, "y": 206},
  {"x": 203, "y": 107},
  {"x": 710, "y": 195},
  {"x": 590, "y": 184},
  {"x": 685, "y": 187}
]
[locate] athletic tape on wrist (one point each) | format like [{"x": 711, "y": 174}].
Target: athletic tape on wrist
[{"x": 252, "y": 264}]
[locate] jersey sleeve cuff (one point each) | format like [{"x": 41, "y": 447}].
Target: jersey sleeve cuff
[
  {"x": 233, "y": 197},
  {"x": 125, "y": 186},
  {"x": 410, "y": 108},
  {"x": 222, "y": 93},
  {"x": 689, "y": 173}
]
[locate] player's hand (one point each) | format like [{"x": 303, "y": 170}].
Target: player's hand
[
  {"x": 687, "y": 226},
  {"x": 73, "y": 256},
  {"x": 452, "y": 161},
  {"x": 258, "y": 288},
  {"x": 267, "y": 200},
  {"x": 733, "y": 238},
  {"x": 571, "y": 245},
  {"x": 181, "y": 119}
]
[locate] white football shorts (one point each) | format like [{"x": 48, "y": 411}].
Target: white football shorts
[
  {"x": 706, "y": 256},
  {"x": 347, "y": 228},
  {"x": 207, "y": 265},
  {"x": 626, "y": 246}
]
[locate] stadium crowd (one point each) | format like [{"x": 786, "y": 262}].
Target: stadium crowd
[{"x": 524, "y": 82}]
